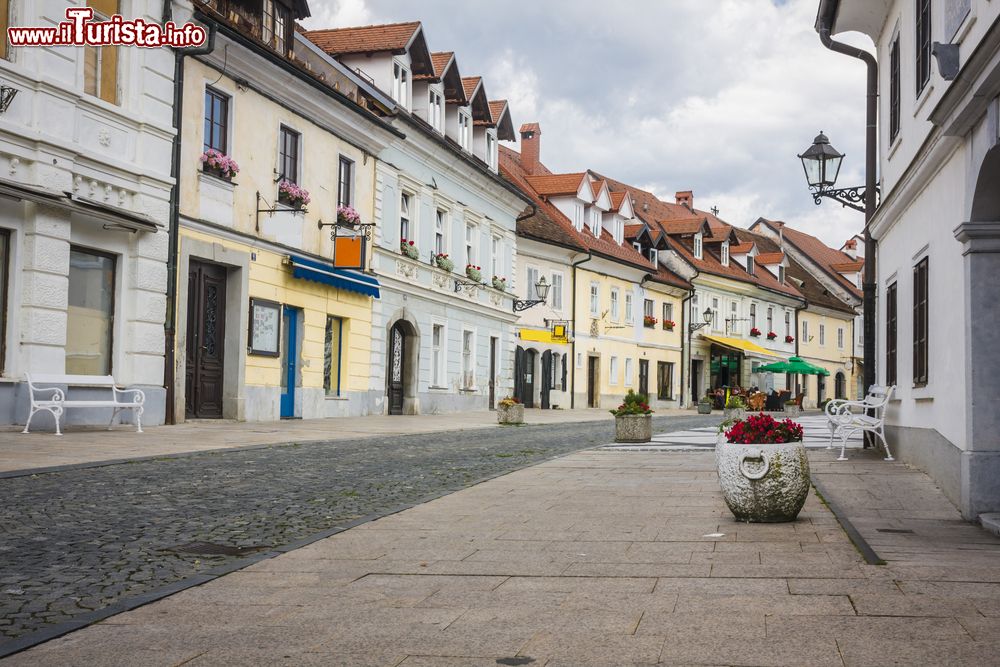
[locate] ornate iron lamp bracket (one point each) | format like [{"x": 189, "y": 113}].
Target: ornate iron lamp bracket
[
  {"x": 366, "y": 228},
  {"x": 851, "y": 197},
  {"x": 524, "y": 305}
]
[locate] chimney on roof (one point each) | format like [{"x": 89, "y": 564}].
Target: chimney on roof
[
  {"x": 851, "y": 248},
  {"x": 685, "y": 198},
  {"x": 531, "y": 146}
]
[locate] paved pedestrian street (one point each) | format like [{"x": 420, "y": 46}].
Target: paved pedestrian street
[
  {"x": 596, "y": 558},
  {"x": 79, "y": 540}
]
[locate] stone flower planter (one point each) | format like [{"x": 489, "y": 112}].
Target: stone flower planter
[
  {"x": 512, "y": 415},
  {"x": 766, "y": 483},
  {"x": 633, "y": 428},
  {"x": 792, "y": 410},
  {"x": 704, "y": 408},
  {"x": 734, "y": 413}
]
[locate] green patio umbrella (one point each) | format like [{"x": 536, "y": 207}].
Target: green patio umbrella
[{"x": 795, "y": 366}]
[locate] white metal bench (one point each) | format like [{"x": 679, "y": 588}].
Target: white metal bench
[
  {"x": 867, "y": 416},
  {"x": 53, "y": 398}
]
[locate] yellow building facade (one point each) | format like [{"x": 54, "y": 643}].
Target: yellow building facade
[
  {"x": 269, "y": 323},
  {"x": 825, "y": 339}
]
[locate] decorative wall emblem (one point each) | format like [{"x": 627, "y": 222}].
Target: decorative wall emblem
[
  {"x": 104, "y": 137},
  {"x": 14, "y": 164},
  {"x": 406, "y": 270},
  {"x": 496, "y": 298},
  {"x": 440, "y": 280},
  {"x": 595, "y": 328}
]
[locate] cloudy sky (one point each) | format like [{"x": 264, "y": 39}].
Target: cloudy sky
[{"x": 714, "y": 96}]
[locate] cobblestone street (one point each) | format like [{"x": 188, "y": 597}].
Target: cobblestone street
[{"x": 80, "y": 540}]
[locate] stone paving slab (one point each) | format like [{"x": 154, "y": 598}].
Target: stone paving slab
[{"x": 809, "y": 600}]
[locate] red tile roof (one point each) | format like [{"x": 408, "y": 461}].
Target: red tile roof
[
  {"x": 764, "y": 258},
  {"x": 632, "y": 231},
  {"x": 616, "y": 200},
  {"x": 681, "y": 225},
  {"x": 602, "y": 244},
  {"x": 470, "y": 83},
  {"x": 848, "y": 267},
  {"x": 366, "y": 39},
  {"x": 741, "y": 249},
  {"x": 817, "y": 251},
  {"x": 596, "y": 187},
  {"x": 554, "y": 185},
  {"x": 440, "y": 62},
  {"x": 496, "y": 109}
]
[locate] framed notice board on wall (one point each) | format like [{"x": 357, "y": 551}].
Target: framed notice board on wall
[{"x": 265, "y": 328}]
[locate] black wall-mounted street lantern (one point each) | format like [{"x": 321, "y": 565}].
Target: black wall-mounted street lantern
[
  {"x": 541, "y": 290},
  {"x": 821, "y": 163},
  {"x": 707, "y": 316}
]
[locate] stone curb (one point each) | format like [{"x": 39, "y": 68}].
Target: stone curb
[{"x": 853, "y": 533}]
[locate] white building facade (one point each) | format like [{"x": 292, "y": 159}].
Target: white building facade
[
  {"x": 938, "y": 234},
  {"x": 85, "y": 148}
]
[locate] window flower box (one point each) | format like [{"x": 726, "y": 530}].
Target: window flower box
[
  {"x": 219, "y": 165},
  {"x": 500, "y": 283},
  {"x": 409, "y": 249},
  {"x": 474, "y": 272},
  {"x": 789, "y": 339},
  {"x": 649, "y": 321},
  {"x": 347, "y": 216},
  {"x": 755, "y": 332},
  {"x": 669, "y": 325},
  {"x": 763, "y": 469},
  {"x": 442, "y": 261},
  {"x": 633, "y": 419},
  {"x": 290, "y": 194},
  {"x": 771, "y": 335}
]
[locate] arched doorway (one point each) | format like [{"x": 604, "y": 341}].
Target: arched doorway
[
  {"x": 840, "y": 386},
  {"x": 401, "y": 368}
]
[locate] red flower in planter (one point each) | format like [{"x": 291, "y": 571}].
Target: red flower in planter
[
  {"x": 771, "y": 335},
  {"x": 755, "y": 332},
  {"x": 789, "y": 339},
  {"x": 764, "y": 429}
]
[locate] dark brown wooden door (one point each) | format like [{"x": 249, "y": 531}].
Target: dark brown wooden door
[
  {"x": 644, "y": 377},
  {"x": 206, "y": 340},
  {"x": 546, "y": 378},
  {"x": 592, "y": 382},
  {"x": 397, "y": 352},
  {"x": 530, "y": 356}
]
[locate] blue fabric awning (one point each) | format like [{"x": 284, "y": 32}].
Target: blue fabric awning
[{"x": 347, "y": 279}]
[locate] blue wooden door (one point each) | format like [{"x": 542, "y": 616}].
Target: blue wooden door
[{"x": 289, "y": 359}]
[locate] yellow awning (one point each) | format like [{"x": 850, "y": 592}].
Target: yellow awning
[
  {"x": 743, "y": 346},
  {"x": 541, "y": 336}
]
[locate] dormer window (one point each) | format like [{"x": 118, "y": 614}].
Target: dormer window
[
  {"x": 697, "y": 246},
  {"x": 491, "y": 150},
  {"x": 654, "y": 256},
  {"x": 465, "y": 130},
  {"x": 750, "y": 264},
  {"x": 578, "y": 217},
  {"x": 435, "y": 110},
  {"x": 781, "y": 274},
  {"x": 725, "y": 253},
  {"x": 275, "y": 26},
  {"x": 401, "y": 84},
  {"x": 637, "y": 246}
]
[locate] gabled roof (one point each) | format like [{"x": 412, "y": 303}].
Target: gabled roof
[
  {"x": 557, "y": 185},
  {"x": 601, "y": 244},
  {"x": 768, "y": 258},
  {"x": 395, "y": 38},
  {"x": 685, "y": 226},
  {"x": 820, "y": 253},
  {"x": 741, "y": 248},
  {"x": 446, "y": 70},
  {"x": 622, "y": 203},
  {"x": 600, "y": 190},
  {"x": 848, "y": 267},
  {"x": 500, "y": 112},
  {"x": 475, "y": 93}
]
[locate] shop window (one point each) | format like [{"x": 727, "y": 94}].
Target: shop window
[{"x": 91, "y": 312}]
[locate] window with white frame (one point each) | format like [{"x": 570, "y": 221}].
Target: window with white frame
[
  {"x": 491, "y": 150},
  {"x": 615, "y": 307},
  {"x": 668, "y": 313},
  {"x": 654, "y": 256},
  {"x": 840, "y": 338},
  {"x": 595, "y": 299},
  {"x": 470, "y": 243},
  {"x": 822, "y": 334},
  {"x": 770, "y": 320},
  {"x": 628, "y": 371},
  {"x": 613, "y": 371},
  {"x": 637, "y": 246},
  {"x": 435, "y": 110},
  {"x": 401, "y": 84},
  {"x": 695, "y": 315},
  {"x": 628, "y": 307},
  {"x": 715, "y": 314},
  {"x": 805, "y": 331},
  {"x": 437, "y": 356},
  {"x": 781, "y": 274},
  {"x": 405, "y": 222},
  {"x": 465, "y": 130},
  {"x": 440, "y": 232},
  {"x": 556, "y": 291},
  {"x": 753, "y": 315},
  {"x": 733, "y": 315},
  {"x": 647, "y": 308},
  {"x": 750, "y": 264},
  {"x": 578, "y": 212},
  {"x": 495, "y": 257},
  {"x": 532, "y": 292},
  {"x": 725, "y": 253},
  {"x": 697, "y": 245},
  {"x": 345, "y": 182},
  {"x": 468, "y": 360},
  {"x": 788, "y": 323}
]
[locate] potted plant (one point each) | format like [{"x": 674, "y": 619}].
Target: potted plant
[
  {"x": 474, "y": 272},
  {"x": 649, "y": 321},
  {"x": 633, "y": 419},
  {"x": 347, "y": 216},
  {"x": 220, "y": 165},
  {"x": 789, "y": 339},
  {"x": 705, "y": 405},
  {"x": 510, "y": 411},
  {"x": 408, "y": 248},
  {"x": 442, "y": 261},
  {"x": 735, "y": 408},
  {"x": 771, "y": 335},
  {"x": 763, "y": 469},
  {"x": 292, "y": 195},
  {"x": 755, "y": 332},
  {"x": 669, "y": 325},
  {"x": 500, "y": 283}
]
